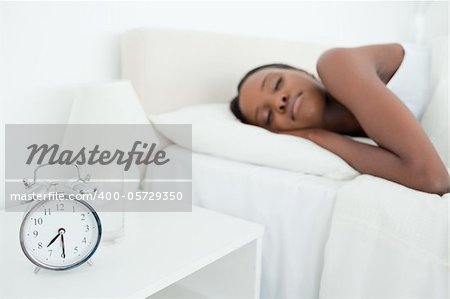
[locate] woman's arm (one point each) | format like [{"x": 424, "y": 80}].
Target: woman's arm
[
  {"x": 373, "y": 160},
  {"x": 405, "y": 154}
]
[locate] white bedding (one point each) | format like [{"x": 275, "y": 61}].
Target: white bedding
[
  {"x": 247, "y": 143},
  {"x": 387, "y": 241},
  {"x": 294, "y": 208}
]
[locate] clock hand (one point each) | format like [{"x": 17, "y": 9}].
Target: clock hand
[
  {"x": 53, "y": 240},
  {"x": 62, "y": 241},
  {"x": 60, "y": 232}
]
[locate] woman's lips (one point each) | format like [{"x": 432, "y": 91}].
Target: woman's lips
[{"x": 296, "y": 105}]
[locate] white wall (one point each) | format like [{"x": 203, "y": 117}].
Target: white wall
[
  {"x": 51, "y": 48},
  {"x": 435, "y": 19}
]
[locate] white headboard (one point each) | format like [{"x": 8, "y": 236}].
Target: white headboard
[{"x": 170, "y": 69}]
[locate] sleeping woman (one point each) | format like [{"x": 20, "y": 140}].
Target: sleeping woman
[{"x": 351, "y": 98}]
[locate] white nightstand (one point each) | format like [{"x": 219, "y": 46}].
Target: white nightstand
[{"x": 202, "y": 254}]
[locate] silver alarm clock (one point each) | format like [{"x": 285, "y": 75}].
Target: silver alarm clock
[{"x": 59, "y": 232}]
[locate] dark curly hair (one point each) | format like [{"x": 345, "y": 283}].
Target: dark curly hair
[{"x": 234, "y": 104}]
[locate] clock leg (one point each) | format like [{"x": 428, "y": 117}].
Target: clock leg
[
  {"x": 89, "y": 262},
  {"x": 36, "y": 270}
]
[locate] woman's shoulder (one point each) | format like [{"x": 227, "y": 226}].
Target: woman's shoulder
[{"x": 381, "y": 59}]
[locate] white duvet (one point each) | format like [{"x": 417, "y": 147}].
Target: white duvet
[
  {"x": 294, "y": 208},
  {"x": 365, "y": 238},
  {"x": 386, "y": 241}
]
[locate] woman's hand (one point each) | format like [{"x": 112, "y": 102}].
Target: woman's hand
[
  {"x": 310, "y": 134},
  {"x": 315, "y": 135}
]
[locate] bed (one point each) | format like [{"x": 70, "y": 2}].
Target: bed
[{"x": 295, "y": 207}]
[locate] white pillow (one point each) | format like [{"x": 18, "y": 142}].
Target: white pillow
[
  {"x": 216, "y": 131},
  {"x": 435, "y": 120}
]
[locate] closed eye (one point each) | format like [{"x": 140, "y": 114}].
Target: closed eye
[{"x": 278, "y": 83}]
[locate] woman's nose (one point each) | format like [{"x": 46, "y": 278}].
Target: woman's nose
[{"x": 281, "y": 103}]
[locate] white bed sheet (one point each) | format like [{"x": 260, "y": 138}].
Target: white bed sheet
[{"x": 294, "y": 208}]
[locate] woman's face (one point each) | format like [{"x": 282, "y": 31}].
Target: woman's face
[{"x": 282, "y": 100}]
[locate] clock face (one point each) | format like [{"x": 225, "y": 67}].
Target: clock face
[{"x": 60, "y": 234}]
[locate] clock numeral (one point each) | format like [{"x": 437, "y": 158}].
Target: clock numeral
[
  {"x": 35, "y": 233},
  {"x": 40, "y": 245},
  {"x": 50, "y": 252},
  {"x": 60, "y": 207},
  {"x": 73, "y": 208},
  {"x": 47, "y": 211},
  {"x": 87, "y": 229},
  {"x": 84, "y": 240},
  {"x": 75, "y": 249},
  {"x": 38, "y": 221},
  {"x": 83, "y": 216}
]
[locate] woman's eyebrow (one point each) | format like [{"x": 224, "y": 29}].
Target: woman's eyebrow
[{"x": 264, "y": 81}]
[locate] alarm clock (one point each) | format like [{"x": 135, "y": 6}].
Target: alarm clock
[{"x": 59, "y": 232}]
